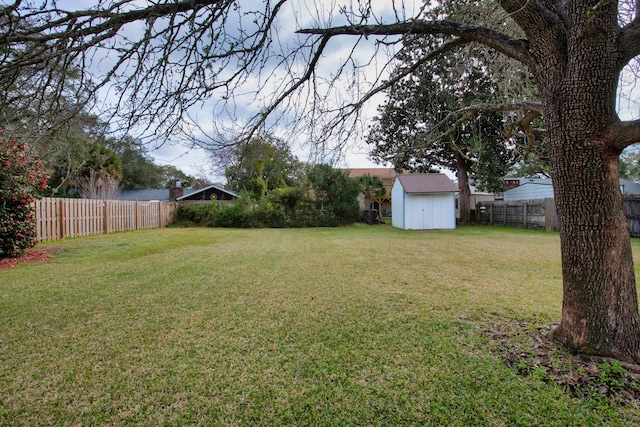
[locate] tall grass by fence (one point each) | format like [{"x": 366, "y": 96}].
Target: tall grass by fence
[
  {"x": 541, "y": 214},
  {"x": 60, "y": 218}
]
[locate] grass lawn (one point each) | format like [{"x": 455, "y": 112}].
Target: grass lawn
[{"x": 348, "y": 326}]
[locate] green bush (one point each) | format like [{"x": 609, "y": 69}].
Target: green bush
[
  {"x": 290, "y": 207},
  {"x": 21, "y": 177},
  {"x": 197, "y": 214}
]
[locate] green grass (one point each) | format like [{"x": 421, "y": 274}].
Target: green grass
[{"x": 347, "y": 326}]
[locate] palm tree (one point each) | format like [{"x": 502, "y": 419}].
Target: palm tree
[{"x": 371, "y": 186}]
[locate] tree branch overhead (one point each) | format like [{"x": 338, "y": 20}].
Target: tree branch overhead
[{"x": 516, "y": 49}]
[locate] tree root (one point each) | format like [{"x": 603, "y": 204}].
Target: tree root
[{"x": 527, "y": 348}]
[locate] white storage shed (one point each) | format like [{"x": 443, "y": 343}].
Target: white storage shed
[{"x": 423, "y": 201}]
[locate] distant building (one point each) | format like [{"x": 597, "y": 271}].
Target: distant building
[
  {"x": 477, "y": 196},
  {"x": 528, "y": 189},
  {"x": 156, "y": 194},
  {"x": 387, "y": 175},
  {"x": 542, "y": 188},
  {"x": 210, "y": 193}
]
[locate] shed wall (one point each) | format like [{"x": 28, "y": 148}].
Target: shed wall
[{"x": 397, "y": 205}]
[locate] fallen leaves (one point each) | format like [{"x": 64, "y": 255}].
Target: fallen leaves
[
  {"x": 526, "y": 348},
  {"x": 30, "y": 256}
]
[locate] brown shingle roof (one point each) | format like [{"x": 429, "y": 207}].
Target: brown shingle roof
[
  {"x": 426, "y": 183},
  {"x": 379, "y": 172}
]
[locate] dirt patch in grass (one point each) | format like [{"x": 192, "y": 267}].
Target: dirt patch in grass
[
  {"x": 29, "y": 257},
  {"x": 525, "y": 347}
]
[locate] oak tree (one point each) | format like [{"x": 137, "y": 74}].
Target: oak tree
[
  {"x": 259, "y": 166},
  {"x": 408, "y": 130}
]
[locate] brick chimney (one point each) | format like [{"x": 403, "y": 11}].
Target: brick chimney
[{"x": 176, "y": 192}]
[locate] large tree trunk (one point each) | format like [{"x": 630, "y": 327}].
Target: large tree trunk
[
  {"x": 600, "y": 308},
  {"x": 464, "y": 196}
]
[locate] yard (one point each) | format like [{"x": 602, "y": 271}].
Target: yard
[{"x": 346, "y": 326}]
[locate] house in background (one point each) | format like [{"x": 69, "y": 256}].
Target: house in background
[
  {"x": 542, "y": 188},
  {"x": 629, "y": 188},
  {"x": 387, "y": 175},
  {"x": 528, "y": 189},
  {"x": 424, "y": 201},
  {"x": 212, "y": 192},
  {"x": 153, "y": 194}
]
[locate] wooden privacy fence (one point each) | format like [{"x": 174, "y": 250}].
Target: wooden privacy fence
[
  {"x": 60, "y": 218},
  {"x": 533, "y": 214},
  {"x": 632, "y": 210},
  {"x": 541, "y": 214}
]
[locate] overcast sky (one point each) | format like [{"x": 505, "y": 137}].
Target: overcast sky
[{"x": 298, "y": 14}]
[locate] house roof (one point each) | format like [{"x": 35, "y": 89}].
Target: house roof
[
  {"x": 382, "y": 173},
  {"x": 188, "y": 193},
  {"x": 522, "y": 181},
  {"x": 161, "y": 194},
  {"x": 629, "y": 187},
  {"x": 426, "y": 183},
  {"x": 536, "y": 181}
]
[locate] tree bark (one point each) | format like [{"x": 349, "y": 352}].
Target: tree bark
[
  {"x": 464, "y": 196},
  {"x": 600, "y": 305}
]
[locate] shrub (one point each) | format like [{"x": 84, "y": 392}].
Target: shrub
[
  {"x": 198, "y": 214},
  {"x": 287, "y": 207},
  {"x": 21, "y": 178}
]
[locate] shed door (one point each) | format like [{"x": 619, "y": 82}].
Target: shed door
[
  {"x": 431, "y": 211},
  {"x": 419, "y": 213},
  {"x": 427, "y": 212}
]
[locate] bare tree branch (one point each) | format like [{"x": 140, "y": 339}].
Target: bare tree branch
[
  {"x": 408, "y": 71},
  {"x": 160, "y": 59},
  {"x": 306, "y": 77},
  {"x": 516, "y": 49},
  {"x": 630, "y": 40},
  {"x": 533, "y": 109}
]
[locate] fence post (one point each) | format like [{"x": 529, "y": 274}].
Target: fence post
[
  {"x": 63, "y": 220},
  {"x": 524, "y": 220},
  {"x": 505, "y": 214},
  {"x": 106, "y": 216},
  {"x": 37, "y": 218},
  {"x": 160, "y": 219},
  {"x": 136, "y": 213}
]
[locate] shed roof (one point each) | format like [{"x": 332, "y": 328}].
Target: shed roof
[{"x": 426, "y": 183}]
